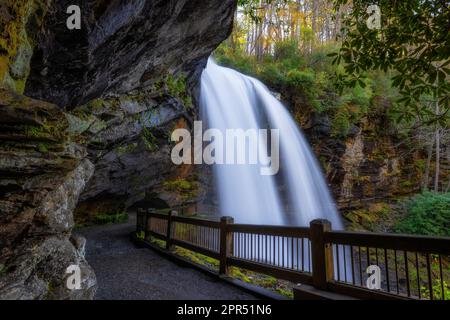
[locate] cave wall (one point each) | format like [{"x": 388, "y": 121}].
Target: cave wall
[{"x": 85, "y": 117}]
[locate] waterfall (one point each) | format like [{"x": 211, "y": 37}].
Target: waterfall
[{"x": 294, "y": 196}]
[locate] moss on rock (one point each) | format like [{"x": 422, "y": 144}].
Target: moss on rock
[
  {"x": 186, "y": 188},
  {"x": 19, "y": 20}
]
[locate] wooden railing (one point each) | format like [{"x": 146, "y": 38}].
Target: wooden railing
[{"x": 412, "y": 267}]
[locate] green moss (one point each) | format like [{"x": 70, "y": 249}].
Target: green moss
[
  {"x": 158, "y": 242},
  {"x": 17, "y": 32},
  {"x": 239, "y": 274},
  {"x": 3, "y": 269},
  {"x": 46, "y": 131},
  {"x": 198, "y": 258},
  {"x": 406, "y": 184},
  {"x": 34, "y": 131},
  {"x": 149, "y": 139},
  {"x": 368, "y": 219},
  {"x": 140, "y": 235},
  {"x": 126, "y": 149},
  {"x": 43, "y": 148},
  {"x": 175, "y": 85},
  {"x": 179, "y": 184},
  {"x": 79, "y": 125},
  {"x": 188, "y": 189},
  {"x": 97, "y": 105},
  {"x": 109, "y": 218},
  {"x": 285, "y": 292}
]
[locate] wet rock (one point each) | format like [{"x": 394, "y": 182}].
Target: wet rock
[
  {"x": 39, "y": 272},
  {"x": 42, "y": 175}
]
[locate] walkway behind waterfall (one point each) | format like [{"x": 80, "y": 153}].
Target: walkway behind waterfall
[{"x": 125, "y": 271}]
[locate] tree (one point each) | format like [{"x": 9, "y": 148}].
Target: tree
[{"x": 413, "y": 42}]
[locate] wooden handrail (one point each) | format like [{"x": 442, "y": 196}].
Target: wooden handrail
[
  {"x": 197, "y": 222},
  {"x": 390, "y": 241},
  {"x": 299, "y": 232}
]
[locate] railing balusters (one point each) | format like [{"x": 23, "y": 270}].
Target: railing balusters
[
  {"x": 368, "y": 257},
  {"x": 279, "y": 252},
  {"x": 267, "y": 248},
  {"x": 430, "y": 280},
  {"x": 303, "y": 254},
  {"x": 360, "y": 266},
  {"x": 260, "y": 248},
  {"x": 345, "y": 263},
  {"x": 441, "y": 278},
  {"x": 338, "y": 262},
  {"x": 292, "y": 253},
  {"x": 418, "y": 274},
  {"x": 309, "y": 256},
  {"x": 396, "y": 271},
  {"x": 376, "y": 256},
  {"x": 386, "y": 265},
  {"x": 353, "y": 266},
  {"x": 273, "y": 249},
  {"x": 408, "y": 289},
  {"x": 252, "y": 256}
]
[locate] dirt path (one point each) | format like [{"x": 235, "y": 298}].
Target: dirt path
[{"x": 127, "y": 272}]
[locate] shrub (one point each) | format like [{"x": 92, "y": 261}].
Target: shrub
[
  {"x": 287, "y": 49},
  {"x": 341, "y": 124},
  {"x": 428, "y": 213},
  {"x": 311, "y": 77},
  {"x": 108, "y": 218},
  {"x": 272, "y": 75},
  {"x": 302, "y": 79},
  {"x": 437, "y": 290}
]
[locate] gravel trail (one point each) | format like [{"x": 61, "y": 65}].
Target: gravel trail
[{"x": 125, "y": 271}]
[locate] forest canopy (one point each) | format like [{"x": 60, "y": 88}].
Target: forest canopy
[
  {"x": 412, "y": 43},
  {"x": 328, "y": 52},
  {"x": 413, "y": 40}
]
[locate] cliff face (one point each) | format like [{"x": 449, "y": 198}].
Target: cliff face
[
  {"x": 43, "y": 171},
  {"x": 96, "y": 133},
  {"x": 122, "y": 46},
  {"x": 369, "y": 169}
]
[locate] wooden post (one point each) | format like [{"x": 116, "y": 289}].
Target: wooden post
[
  {"x": 146, "y": 220},
  {"x": 321, "y": 254},
  {"x": 170, "y": 230},
  {"x": 226, "y": 243},
  {"x": 140, "y": 220}
]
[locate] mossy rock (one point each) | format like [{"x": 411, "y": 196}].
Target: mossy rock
[
  {"x": 368, "y": 219},
  {"x": 19, "y": 20},
  {"x": 186, "y": 188}
]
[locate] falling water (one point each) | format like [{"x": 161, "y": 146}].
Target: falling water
[{"x": 298, "y": 193}]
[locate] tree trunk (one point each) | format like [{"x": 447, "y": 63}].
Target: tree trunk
[
  {"x": 438, "y": 159},
  {"x": 315, "y": 8},
  {"x": 438, "y": 146},
  {"x": 428, "y": 165}
]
